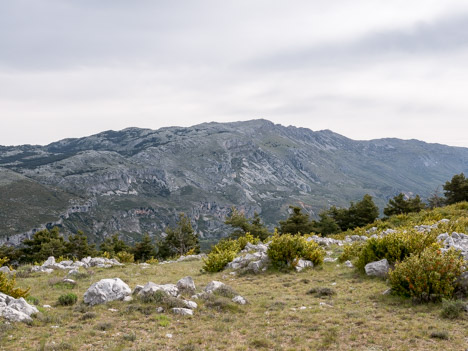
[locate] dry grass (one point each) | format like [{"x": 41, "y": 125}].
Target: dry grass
[{"x": 280, "y": 316}]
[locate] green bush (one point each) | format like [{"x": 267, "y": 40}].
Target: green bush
[
  {"x": 395, "y": 246},
  {"x": 225, "y": 251},
  {"x": 285, "y": 250},
  {"x": 67, "y": 299},
  {"x": 247, "y": 238},
  {"x": 428, "y": 276},
  {"x": 218, "y": 259},
  {"x": 125, "y": 257},
  {"x": 8, "y": 283},
  {"x": 452, "y": 309},
  {"x": 351, "y": 251}
]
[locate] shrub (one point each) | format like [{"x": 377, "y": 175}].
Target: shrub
[
  {"x": 351, "y": 251},
  {"x": 221, "y": 254},
  {"x": 247, "y": 238},
  {"x": 452, "y": 309},
  {"x": 67, "y": 299},
  {"x": 152, "y": 260},
  {"x": 125, "y": 257},
  {"x": 285, "y": 250},
  {"x": 7, "y": 286},
  {"x": 225, "y": 251},
  {"x": 395, "y": 246},
  {"x": 428, "y": 276},
  {"x": 217, "y": 260}
]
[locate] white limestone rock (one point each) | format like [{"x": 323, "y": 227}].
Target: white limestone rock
[{"x": 106, "y": 290}]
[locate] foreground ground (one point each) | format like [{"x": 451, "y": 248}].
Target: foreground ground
[{"x": 280, "y": 315}]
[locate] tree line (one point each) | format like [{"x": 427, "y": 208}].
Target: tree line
[{"x": 181, "y": 239}]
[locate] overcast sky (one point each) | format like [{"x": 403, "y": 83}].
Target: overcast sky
[{"x": 364, "y": 69}]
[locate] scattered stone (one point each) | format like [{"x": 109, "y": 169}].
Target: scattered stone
[
  {"x": 387, "y": 292},
  {"x": 169, "y": 336},
  {"x": 100, "y": 262},
  {"x": 150, "y": 288},
  {"x": 113, "y": 310},
  {"x": 349, "y": 264},
  {"x": 137, "y": 289},
  {"x": 323, "y": 304},
  {"x": 16, "y": 310},
  {"x": 329, "y": 259},
  {"x": 128, "y": 299},
  {"x": 106, "y": 290},
  {"x": 302, "y": 308},
  {"x": 302, "y": 264},
  {"x": 190, "y": 304},
  {"x": 47, "y": 306},
  {"x": 69, "y": 281},
  {"x": 213, "y": 286},
  {"x": 182, "y": 311},
  {"x": 186, "y": 284},
  {"x": 377, "y": 268},
  {"x": 160, "y": 309},
  {"x": 239, "y": 300}
]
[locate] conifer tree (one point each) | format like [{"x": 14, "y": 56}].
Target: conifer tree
[
  {"x": 180, "y": 239},
  {"x": 144, "y": 250}
]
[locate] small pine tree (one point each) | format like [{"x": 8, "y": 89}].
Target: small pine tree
[
  {"x": 456, "y": 190},
  {"x": 78, "y": 247},
  {"x": 297, "y": 222},
  {"x": 400, "y": 205},
  {"x": 144, "y": 250},
  {"x": 243, "y": 225},
  {"x": 179, "y": 240},
  {"x": 358, "y": 214},
  {"x": 113, "y": 245},
  {"x": 43, "y": 244}
]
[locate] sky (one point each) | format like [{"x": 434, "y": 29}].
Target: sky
[{"x": 366, "y": 69}]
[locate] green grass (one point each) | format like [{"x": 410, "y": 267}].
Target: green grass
[{"x": 357, "y": 317}]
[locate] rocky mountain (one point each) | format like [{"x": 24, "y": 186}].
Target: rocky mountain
[{"x": 138, "y": 180}]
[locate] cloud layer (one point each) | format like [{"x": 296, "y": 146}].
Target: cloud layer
[{"x": 366, "y": 69}]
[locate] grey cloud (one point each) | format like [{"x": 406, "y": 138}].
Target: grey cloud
[{"x": 440, "y": 37}]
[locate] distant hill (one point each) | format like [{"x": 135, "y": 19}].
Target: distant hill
[{"x": 138, "y": 180}]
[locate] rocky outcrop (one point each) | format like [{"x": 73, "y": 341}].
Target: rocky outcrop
[
  {"x": 16, "y": 310},
  {"x": 457, "y": 241},
  {"x": 99, "y": 262},
  {"x": 106, "y": 290}
]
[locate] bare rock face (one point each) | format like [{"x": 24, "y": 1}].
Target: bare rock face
[
  {"x": 377, "y": 268},
  {"x": 106, "y": 290},
  {"x": 16, "y": 310}
]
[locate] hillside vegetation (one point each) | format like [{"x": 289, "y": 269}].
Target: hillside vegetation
[{"x": 331, "y": 306}]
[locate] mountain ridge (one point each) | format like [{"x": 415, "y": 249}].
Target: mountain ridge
[{"x": 138, "y": 179}]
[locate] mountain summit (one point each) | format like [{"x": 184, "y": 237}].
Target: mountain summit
[{"x": 137, "y": 180}]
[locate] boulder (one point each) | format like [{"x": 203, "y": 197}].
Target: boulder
[
  {"x": 150, "y": 288},
  {"x": 213, "y": 286},
  {"x": 302, "y": 264},
  {"x": 190, "y": 304},
  {"x": 106, "y": 290},
  {"x": 16, "y": 310},
  {"x": 137, "y": 289},
  {"x": 377, "y": 268},
  {"x": 6, "y": 270},
  {"x": 49, "y": 262},
  {"x": 183, "y": 311},
  {"x": 239, "y": 300},
  {"x": 186, "y": 284}
]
